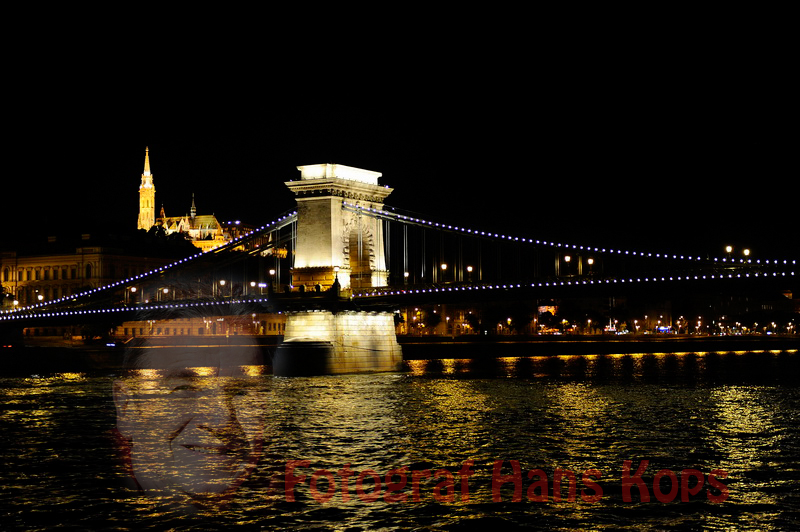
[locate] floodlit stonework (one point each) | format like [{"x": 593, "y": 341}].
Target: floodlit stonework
[
  {"x": 335, "y": 242},
  {"x": 329, "y": 343}
]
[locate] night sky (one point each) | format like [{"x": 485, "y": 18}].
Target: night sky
[{"x": 620, "y": 153}]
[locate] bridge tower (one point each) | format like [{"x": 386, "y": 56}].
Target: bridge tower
[
  {"x": 335, "y": 243},
  {"x": 332, "y": 241}
]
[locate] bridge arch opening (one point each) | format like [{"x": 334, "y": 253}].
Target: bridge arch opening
[{"x": 359, "y": 253}]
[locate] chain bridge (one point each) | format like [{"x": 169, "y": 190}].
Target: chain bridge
[{"x": 341, "y": 265}]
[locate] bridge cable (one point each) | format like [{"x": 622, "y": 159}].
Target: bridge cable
[
  {"x": 387, "y": 245},
  {"x": 424, "y": 253},
  {"x": 405, "y": 251}
]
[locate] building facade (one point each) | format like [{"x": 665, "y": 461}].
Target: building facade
[
  {"x": 52, "y": 272},
  {"x": 261, "y": 324}
]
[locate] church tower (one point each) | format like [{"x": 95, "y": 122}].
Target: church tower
[{"x": 147, "y": 196}]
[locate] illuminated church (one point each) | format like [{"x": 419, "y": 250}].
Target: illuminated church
[{"x": 204, "y": 230}]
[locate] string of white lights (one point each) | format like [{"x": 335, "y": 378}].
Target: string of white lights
[
  {"x": 472, "y": 232},
  {"x": 581, "y": 282},
  {"x": 276, "y": 224},
  {"x": 114, "y": 310},
  {"x": 409, "y": 292},
  {"x": 291, "y": 216}
]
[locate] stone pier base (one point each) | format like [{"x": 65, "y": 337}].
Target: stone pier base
[{"x": 327, "y": 343}]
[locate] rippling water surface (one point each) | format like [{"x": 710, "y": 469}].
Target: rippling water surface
[{"x": 733, "y": 414}]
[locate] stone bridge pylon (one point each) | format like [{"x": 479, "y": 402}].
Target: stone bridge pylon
[
  {"x": 333, "y": 244},
  {"x": 335, "y": 241}
]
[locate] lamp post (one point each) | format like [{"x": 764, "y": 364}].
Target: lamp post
[
  {"x": 567, "y": 260},
  {"x": 336, "y": 287}
]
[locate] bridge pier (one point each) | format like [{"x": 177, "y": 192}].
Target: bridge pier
[
  {"x": 328, "y": 343},
  {"x": 338, "y": 249}
]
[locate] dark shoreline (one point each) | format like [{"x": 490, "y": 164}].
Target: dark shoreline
[
  {"x": 430, "y": 347},
  {"x": 43, "y": 360}
]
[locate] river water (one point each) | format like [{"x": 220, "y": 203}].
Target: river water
[{"x": 714, "y": 435}]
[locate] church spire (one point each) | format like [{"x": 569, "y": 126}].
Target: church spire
[
  {"x": 147, "y": 196},
  {"x": 146, "y": 161},
  {"x": 147, "y": 177}
]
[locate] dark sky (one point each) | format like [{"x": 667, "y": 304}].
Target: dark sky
[{"x": 634, "y": 152}]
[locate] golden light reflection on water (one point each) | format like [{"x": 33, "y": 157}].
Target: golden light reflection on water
[
  {"x": 699, "y": 367},
  {"x": 253, "y": 371},
  {"x": 545, "y": 411},
  {"x": 35, "y": 391},
  {"x": 747, "y": 437},
  {"x": 145, "y": 374},
  {"x": 196, "y": 371},
  {"x": 591, "y": 421},
  {"x": 336, "y": 429},
  {"x": 582, "y": 412},
  {"x": 458, "y": 409},
  {"x": 633, "y": 365},
  {"x": 192, "y": 437},
  {"x": 56, "y": 378}
]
